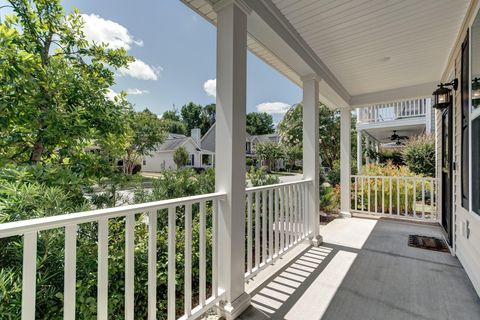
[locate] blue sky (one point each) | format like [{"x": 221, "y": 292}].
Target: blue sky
[{"x": 177, "y": 50}]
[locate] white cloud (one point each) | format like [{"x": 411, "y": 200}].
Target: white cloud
[
  {"x": 210, "y": 87},
  {"x": 111, "y": 94},
  {"x": 101, "y": 30},
  {"x": 273, "y": 107},
  {"x": 136, "y": 91},
  {"x": 140, "y": 70}
]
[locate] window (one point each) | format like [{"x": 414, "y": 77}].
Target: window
[
  {"x": 144, "y": 162},
  {"x": 191, "y": 160},
  {"x": 465, "y": 100}
]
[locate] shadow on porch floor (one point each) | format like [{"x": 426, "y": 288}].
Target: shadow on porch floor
[{"x": 364, "y": 270}]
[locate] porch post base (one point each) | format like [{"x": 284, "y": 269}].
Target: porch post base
[
  {"x": 345, "y": 214},
  {"x": 316, "y": 241},
  {"x": 234, "y": 309}
]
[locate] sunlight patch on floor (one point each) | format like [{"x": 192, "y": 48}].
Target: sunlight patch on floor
[
  {"x": 352, "y": 232},
  {"x": 309, "y": 306},
  {"x": 270, "y": 298}
]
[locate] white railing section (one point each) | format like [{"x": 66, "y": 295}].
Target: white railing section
[
  {"x": 30, "y": 230},
  {"x": 394, "y": 110},
  {"x": 396, "y": 196},
  {"x": 276, "y": 221}
]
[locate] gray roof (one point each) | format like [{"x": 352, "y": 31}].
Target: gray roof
[
  {"x": 274, "y": 137},
  {"x": 172, "y": 142}
]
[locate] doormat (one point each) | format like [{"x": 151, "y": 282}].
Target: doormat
[{"x": 428, "y": 243}]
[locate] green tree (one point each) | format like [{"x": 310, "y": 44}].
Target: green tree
[
  {"x": 193, "y": 116},
  {"x": 291, "y": 132},
  {"x": 259, "y": 123},
  {"x": 146, "y": 133},
  {"x": 172, "y": 123},
  {"x": 293, "y": 154},
  {"x": 53, "y": 87},
  {"x": 210, "y": 116},
  {"x": 268, "y": 152},
  {"x": 180, "y": 157}
]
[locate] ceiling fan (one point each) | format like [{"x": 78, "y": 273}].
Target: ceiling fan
[{"x": 398, "y": 139}]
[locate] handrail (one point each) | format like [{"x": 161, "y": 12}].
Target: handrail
[
  {"x": 274, "y": 186},
  {"x": 25, "y": 226}
]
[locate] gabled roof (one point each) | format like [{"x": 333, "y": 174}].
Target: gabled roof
[
  {"x": 274, "y": 137},
  {"x": 172, "y": 142}
]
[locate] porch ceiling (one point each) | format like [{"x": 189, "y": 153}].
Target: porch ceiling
[
  {"x": 365, "y": 51},
  {"x": 377, "y": 45}
]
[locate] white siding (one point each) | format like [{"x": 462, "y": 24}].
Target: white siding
[
  {"x": 163, "y": 160},
  {"x": 466, "y": 249}
]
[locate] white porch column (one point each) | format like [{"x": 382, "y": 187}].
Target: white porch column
[
  {"x": 377, "y": 150},
  {"x": 359, "y": 152},
  {"x": 345, "y": 161},
  {"x": 230, "y": 150},
  {"x": 311, "y": 158}
]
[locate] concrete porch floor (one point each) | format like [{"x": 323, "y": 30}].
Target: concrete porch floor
[{"x": 364, "y": 270}]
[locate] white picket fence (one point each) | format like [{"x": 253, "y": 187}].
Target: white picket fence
[
  {"x": 397, "y": 196},
  {"x": 394, "y": 110},
  {"x": 276, "y": 221}
]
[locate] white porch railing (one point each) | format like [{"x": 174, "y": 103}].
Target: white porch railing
[
  {"x": 276, "y": 220},
  {"x": 394, "y": 110},
  {"x": 132, "y": 215},
  {"x": 396, "y": 196}
]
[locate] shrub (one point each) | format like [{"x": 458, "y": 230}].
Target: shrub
[
  {"x": 259, "y": 177},
  {"x": 419, "y": 155},
  {"x": 329, "y": 198},
  {"x": 369, "y": 191}
]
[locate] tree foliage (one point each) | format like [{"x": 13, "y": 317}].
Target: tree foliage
[
  {"x": 145, "y": 134},
  {"x": 269, "y": 152},
  {"x": 259, "y": 123},
  {"x": 53, "y": 87},
  {"x": 180, "y": 157},
  {"x": 196, "y": 116},
  {"x": 291, "y": 132}
]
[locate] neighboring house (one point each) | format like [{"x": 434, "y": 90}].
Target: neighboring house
[
  {"x": 162, "y": 158},
  {"x": 207, "y": 143},
  {"x": 391, "y": 124}
]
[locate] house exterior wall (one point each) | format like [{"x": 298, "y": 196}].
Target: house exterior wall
[
  {"x": 163, "y": 160},
  {"x": 466, "y": 247}
]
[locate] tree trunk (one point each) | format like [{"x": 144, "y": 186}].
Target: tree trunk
[{"x": 36, "y": 155}]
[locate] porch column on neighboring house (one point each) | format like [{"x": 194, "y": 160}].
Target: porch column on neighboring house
[
  {"x": 359, "y": 152},
  {"x": 311, "y": 157},
  {"x": 230, "y": 147},
  {"x": 367, "y": 147},
  {"x": 345, "y": 161},
  {"x": 377, "y": 150},
  {"x": 428, "y": 116}
]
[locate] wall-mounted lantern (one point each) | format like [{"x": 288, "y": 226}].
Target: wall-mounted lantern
[
  {"x": 476, "y": 92},
  {"x": 442, "y": 97}
]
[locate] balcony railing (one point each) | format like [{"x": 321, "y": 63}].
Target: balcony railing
[
  {"x": 394, "y": 110},
  {"x": 275, "y": 222},
  {"x": 395, "y": 196}
]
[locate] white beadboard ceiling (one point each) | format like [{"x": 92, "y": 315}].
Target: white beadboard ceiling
[
  {"x": 377, "y": 45},
  {"x": 369, "y": 46}
]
